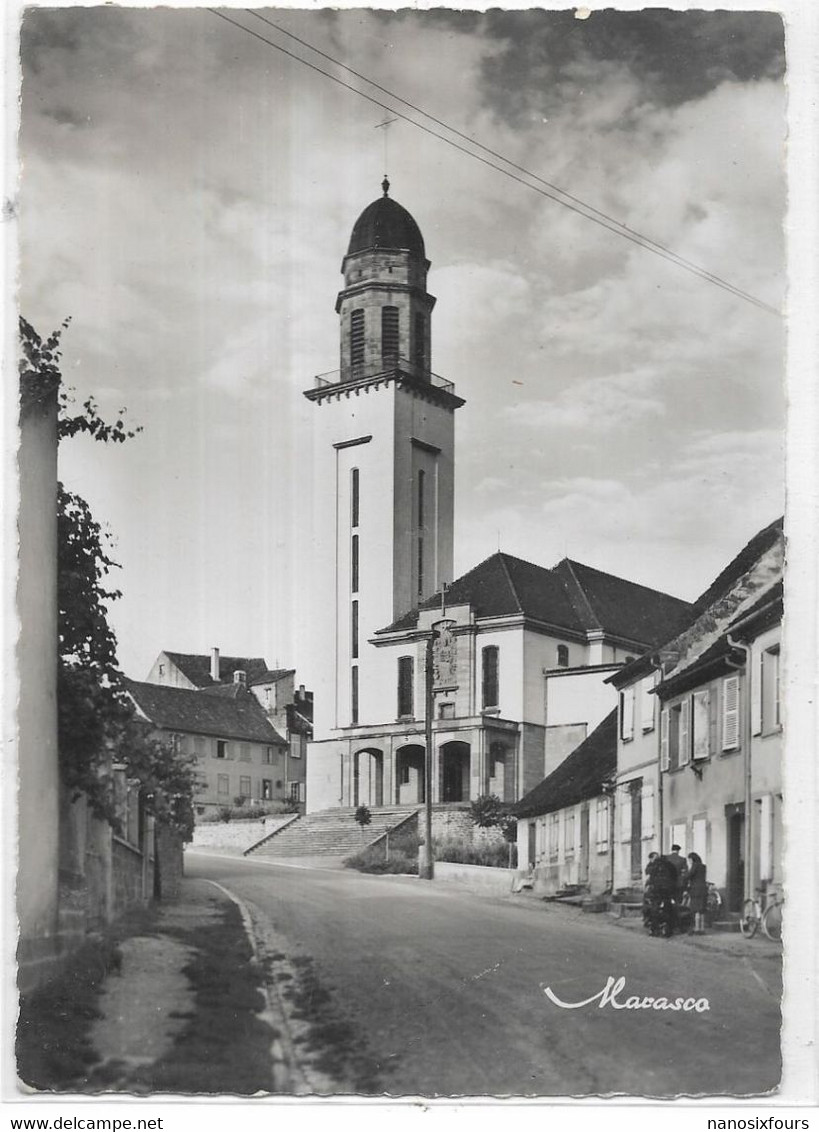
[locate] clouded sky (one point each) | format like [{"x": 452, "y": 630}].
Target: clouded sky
[{"x": 187, "y": 196}]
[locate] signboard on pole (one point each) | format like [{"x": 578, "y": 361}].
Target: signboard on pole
[{"x": 444, "y": 657}]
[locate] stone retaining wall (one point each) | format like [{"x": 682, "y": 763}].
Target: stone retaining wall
[
  {"x": 477, "y": 878},
  {"x": 237, "y": 834}
]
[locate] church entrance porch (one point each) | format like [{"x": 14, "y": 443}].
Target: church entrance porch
[
  {"x": 368, "y": 778},
  {"x": 455, "y": 768},
  {"x": 409, "y": 775}
]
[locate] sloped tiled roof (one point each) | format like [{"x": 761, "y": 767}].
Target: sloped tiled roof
[
  {"x": 196, "y": 666},
  {"x": 195, "y": 712},
  {"x": 580, "y": 776},
  {"x": 762, "y": 542},
  {"x": 570, "y": 596},
  {"x": 271, "y": 676}
]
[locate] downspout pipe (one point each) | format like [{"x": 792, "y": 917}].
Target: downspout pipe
[
  {"x": 745, "y": 704},
  {"x": 656, "y": 665}
]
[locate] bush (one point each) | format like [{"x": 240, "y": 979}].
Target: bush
[
  {"x": 373, "y": 860},
  {"x": 465, "y": 853},
  {"x": 248, "y": 812}
]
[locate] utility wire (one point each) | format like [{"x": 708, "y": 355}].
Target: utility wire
[
  {"x": 508, "y": 161},
  {"x": 574, "y": 204}
]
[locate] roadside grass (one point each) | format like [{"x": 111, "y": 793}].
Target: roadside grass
[
  {"x": 334, "y": 1045},
  {"x": 53, "y": 1046},
  {"x": 397, "y": 854},
  {"x": 225, "y": 1048}
]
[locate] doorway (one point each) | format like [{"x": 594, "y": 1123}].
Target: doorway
[
  {"x": 455, "y": 772},
  {"x": 636, "y": 791},
  {"x": 735, "y": 874}
]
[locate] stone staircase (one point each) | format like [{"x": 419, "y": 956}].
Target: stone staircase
[{"x": 330, "y": 833}]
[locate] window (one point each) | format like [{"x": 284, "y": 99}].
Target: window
[
  {"x": 769, "y": 714},
  {"x": 675, "y": 736},
  {"x": 406, "y": 669},
  {"x": 647, "y": 703},
  {"x": 489, "y": 680},
  {"x": 627, "y": 714},
  {"x": 421, "y": 478},
  {"x": 199, "y": 748},
  {"x": 389, "y": 334},
  {"x": 419, "y": 340},
  {"x": 297, "y": 746},
  {"x": 420, "y": 567},
  {"x": 244, "y": 752},
  {"x": 296, "y": 791},
  {"x": 562, "y": 656},
  {"x": 677, "y": 836},
  {"x": 405, "y": 774},
  {"x": 602, "y": 825},
  {"x": 354, "y": 694},
  {"x": 279, "y": 784},
  {"x": 162, "y": 670},
  {"x": 730, "y": 713},
  {"x": 244, "y": 787},
  {"x": 554, "y": 835},
  {"x": 267, "y": 790},
  {"x": 354, "y": 492},
  {"x": 446, "y": 711},
  {"x": 354, "y": 565},
  {"x": 354, "y": 631},
  {"x": 357, "y": 338},
  {"x": 269, "y": 756},
  {"x": 222, "y": 784},
  {"x": 221, "y": 749},
  {"x": 701, "y": 724}
]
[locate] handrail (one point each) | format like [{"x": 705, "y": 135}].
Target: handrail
[{"x": 385, "y": 368}]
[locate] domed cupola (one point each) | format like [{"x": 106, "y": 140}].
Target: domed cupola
[
  {"x": 386, "y": 224},
  {"x": 384, "y": 308}
]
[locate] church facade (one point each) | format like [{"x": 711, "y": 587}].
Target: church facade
[{"x": 522, "y": 652}]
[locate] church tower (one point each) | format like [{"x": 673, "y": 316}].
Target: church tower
[{"x": 383, "y": 469}]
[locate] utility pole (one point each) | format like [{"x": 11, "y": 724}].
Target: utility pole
[{"x": 427, "y": 872}]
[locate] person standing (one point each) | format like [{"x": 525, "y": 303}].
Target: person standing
[
  {"x": 697, "y": 885},
  {"x": 680, "y": 868}
]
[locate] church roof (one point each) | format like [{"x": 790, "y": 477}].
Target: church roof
[
  {"x": 239, "y": 716},
  {"x": 569, "y": 596},
  {"x": 580, "y": 776},
  {"x": 386, "y": 224}
]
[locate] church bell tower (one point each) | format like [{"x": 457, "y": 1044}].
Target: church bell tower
[{"x": 383, "y": 469}]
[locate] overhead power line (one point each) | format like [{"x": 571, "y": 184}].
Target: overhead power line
[{"x": 550, "y": 191}]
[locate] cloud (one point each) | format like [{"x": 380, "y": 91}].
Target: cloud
[{"x": 600, "y": 405}]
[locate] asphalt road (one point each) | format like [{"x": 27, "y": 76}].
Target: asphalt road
[{"x": 447, "y": 989}]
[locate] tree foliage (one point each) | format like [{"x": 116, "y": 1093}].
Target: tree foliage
[
  {"x": 488, "y": 811},
  {"x": 97, "y": 722}
]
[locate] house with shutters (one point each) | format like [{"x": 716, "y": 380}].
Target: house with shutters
[
  {"x": 288, "y": 708},
  {"x": 241, "y": 758},
  {"x": 699, "y": 749},
  {"x": 564, "y": 824}
]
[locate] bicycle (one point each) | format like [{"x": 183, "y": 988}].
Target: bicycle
[{"x": 768, "y": 918}]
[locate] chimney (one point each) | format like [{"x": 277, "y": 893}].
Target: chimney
[
  {"x": 214, "y": 665},
  {"x": 300, "y": 695},
  {"x": 240, "y": 677}
]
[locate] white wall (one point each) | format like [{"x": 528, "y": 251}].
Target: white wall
[{"x": 579, "y": 697}]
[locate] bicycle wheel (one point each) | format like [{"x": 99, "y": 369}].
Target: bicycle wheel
[
  {"x": 772, "y": 922},
  {"x": 749, "y": 923}
]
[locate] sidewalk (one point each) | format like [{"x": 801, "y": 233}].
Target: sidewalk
[
  {"x": 171, "y": 1000},
  {"x": 725, "y": 943}
]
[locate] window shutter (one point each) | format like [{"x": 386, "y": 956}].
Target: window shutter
[
  {"x": 602, "y": 825},
  {"x": 627, "y": 713},
  {"x": 701, "y": 723},
  {"x": 756, "y": 673},
  {"x": 685, "y": 732},
  {"x": 664, "y": 739},
  {"x": 766, "y": 837},
  {"x": 647, "y": 703},
  {"x": 699, "y": 837},
  {"x": 730, "y": 713},
  {"x": 647, "y": 811},
  {"x": 625, "y": 815}
]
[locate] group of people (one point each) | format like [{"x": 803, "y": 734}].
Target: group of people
[{"x": 669, "y": 879}]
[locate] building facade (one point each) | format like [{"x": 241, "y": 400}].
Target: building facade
[
  {"x": 241, "y": 758},
  {"x": 521, "y": 652}
]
